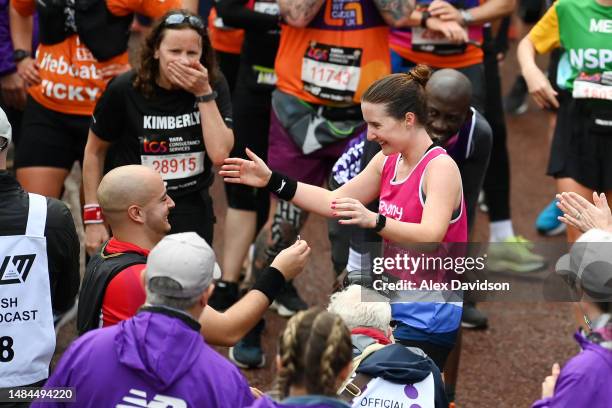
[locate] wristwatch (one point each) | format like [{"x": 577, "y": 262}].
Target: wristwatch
[
  {"x": 467, "y": 17},
  {"x": 381, "y": 221},
  {"x": 424, "y": 17},
  {"x": 20, "y": 55},
  {"x": 208, "y": 97}
]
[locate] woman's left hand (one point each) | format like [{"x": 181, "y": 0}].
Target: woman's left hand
[
  {"x": 352, "y": 212},
  {"x": 192, "y": 78}
]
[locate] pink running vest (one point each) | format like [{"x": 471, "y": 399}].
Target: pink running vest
[{"x": 403, "y": 200}]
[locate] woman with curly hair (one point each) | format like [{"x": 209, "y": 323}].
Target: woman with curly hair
[
  {"x": 314, "y": 359},
  {"x": 173, "y": 115}
]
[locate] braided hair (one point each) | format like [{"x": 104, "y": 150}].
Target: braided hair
[{"x": 314, "y": 348}]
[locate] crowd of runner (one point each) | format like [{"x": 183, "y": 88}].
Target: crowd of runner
[{"x": 386, "y": 117}]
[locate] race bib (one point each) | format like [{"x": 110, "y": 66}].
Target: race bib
[
  {"x": 596, "y": 86},
  {"x": 176, "y": 157},
  {"x": 176, "y": 166},
  {"x": 330, "y": 72},
  {"x": 382, "y": 393}
]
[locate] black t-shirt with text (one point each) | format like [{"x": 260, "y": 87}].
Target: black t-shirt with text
[{"x": 163, "y": 132}]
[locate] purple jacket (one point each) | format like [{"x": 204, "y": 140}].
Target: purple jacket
[
  {"x": 585, "y": 381},
  {"x": 310, "y": 401},
  {"x": 158, "y": 356},
  {"x": 7, "y": 66}
]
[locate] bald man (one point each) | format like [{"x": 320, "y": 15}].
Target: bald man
[
  {"x": 136, "y": 207},
  {"x": 461, "y": 130}
]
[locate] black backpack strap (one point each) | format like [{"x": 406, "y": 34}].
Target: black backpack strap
[{"x": 101, "y": 269}]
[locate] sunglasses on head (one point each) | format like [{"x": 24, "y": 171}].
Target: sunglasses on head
[{"x": 180, "y": 18}]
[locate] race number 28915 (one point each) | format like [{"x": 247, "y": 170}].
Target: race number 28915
[
  {"x": 6, "y": 349},
  {"x": 165, "y": 166},
  {"x": 175, "y": 166}
]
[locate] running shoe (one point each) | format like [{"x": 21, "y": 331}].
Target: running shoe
[
  {"x": 473, "y": 318},
  {"x": 516, "y": 101},
  {"x": 224, "y": 295},
  {"x": 547, "y": 222},
  {"x": 288, "y": 302},
  {"x": 247, "y": 353},
  {"x": 514, "y": 255}
]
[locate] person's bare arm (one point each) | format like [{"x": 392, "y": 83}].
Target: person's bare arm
[
  {"x": 486, "y": 12},
  {"x": 93, "y": 164},
  {"x": 21, "y": 34},
  {"x": 396, "y": 13},
  {"x": 299, "y": 13},
  {"x": 225, "y": 329},
  {"x": 538, "y": 84},
  {"x": 21, "y": 29},
  {"x": 218, "y": 138},
  {"x": 443, "y": 190},
  {"x": 492, "y": 10},
  {"x": 364, "y": 188}
]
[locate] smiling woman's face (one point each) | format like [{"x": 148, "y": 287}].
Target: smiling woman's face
[
  {"x": 383, "y": 129},
  {"x": 178, "y": 45}
]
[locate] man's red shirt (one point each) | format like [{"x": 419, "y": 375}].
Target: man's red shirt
[{"x": 125, "y": 293}]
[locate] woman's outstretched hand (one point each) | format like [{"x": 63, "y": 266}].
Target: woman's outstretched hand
[
  {"x": 353, "y": 212},
  {"x": 252, "y": 172}
]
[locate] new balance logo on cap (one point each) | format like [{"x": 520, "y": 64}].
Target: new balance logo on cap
[
  {"x": 138, "y": 398},
  {"x": 15, "y": 268}
]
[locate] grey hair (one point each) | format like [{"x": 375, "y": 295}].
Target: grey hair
[
  {"x": 156, "y": 299},
  {"x": 351, "y": 307}
]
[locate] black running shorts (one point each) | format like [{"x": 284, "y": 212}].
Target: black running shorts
[
  {"x": 582, "y": 143},
  {"x": 49, "y": 138}
]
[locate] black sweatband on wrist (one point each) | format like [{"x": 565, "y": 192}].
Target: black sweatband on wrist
[
  {"x": 271, "y": 282},
  {"x": 282, "y": 186}
]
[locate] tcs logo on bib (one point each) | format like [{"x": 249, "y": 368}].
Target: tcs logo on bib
[
  {"x": 343, "y": 13},
  {"x": 154, "y": 146}
]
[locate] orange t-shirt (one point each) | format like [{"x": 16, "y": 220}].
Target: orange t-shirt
[
  {"x": 70, "y": 75},
  {"x": 337, "y": 56},
  {"x": 223, "y": 38}
]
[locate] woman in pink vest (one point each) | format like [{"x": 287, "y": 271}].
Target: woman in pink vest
[{"x": 419, "y": 187}]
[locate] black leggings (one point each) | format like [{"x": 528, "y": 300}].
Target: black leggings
[{"x": 497, "y": 181}]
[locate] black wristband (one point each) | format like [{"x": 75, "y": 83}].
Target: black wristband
[
  {"x": 381, "y": 221},
  {"x": 282, "y": 186},
  {"x": 271, "y": 282},
  {"x": 207, "y": 98},
  {"x": 424, "y": 17}
]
